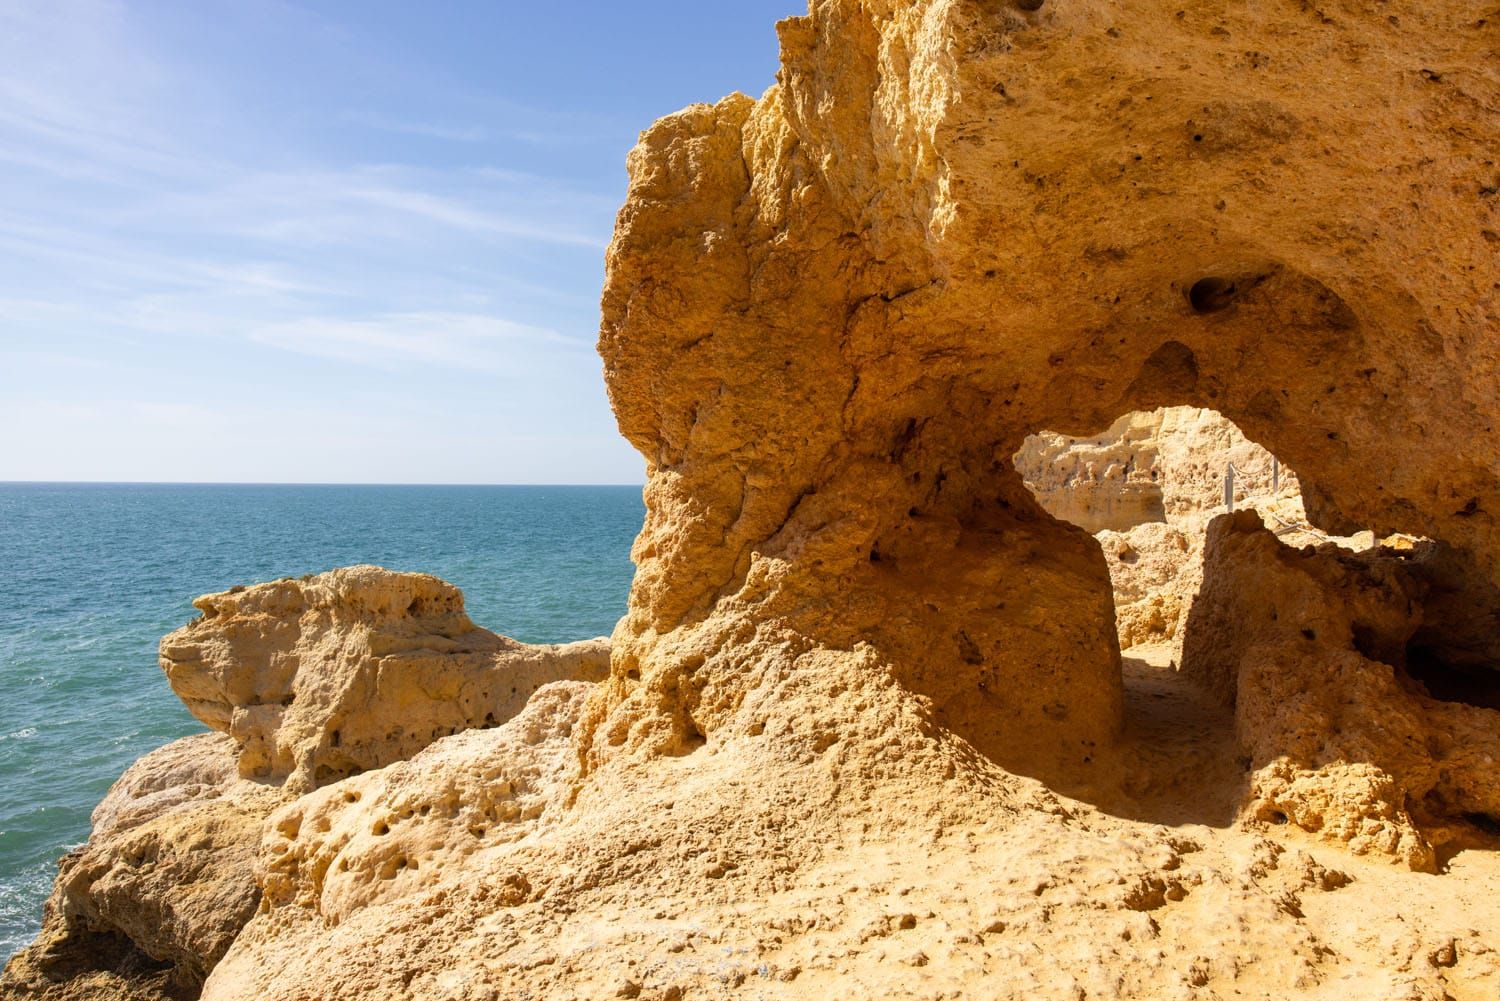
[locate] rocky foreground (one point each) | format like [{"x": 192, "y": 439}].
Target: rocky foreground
[
  {"x": 866, "y": 729},
  {"x": 469, "y": 855}
]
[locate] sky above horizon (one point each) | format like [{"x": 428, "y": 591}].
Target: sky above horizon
[{"x": 328, "y": 241}]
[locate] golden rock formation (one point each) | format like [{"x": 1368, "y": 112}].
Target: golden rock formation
[
  {"x": 832, "y": 316},
  {"x": 325, "y": 677},
  {"x": 867, "y": 730}
]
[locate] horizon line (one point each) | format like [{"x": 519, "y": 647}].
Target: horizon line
[{"x": 286, "y": 483}]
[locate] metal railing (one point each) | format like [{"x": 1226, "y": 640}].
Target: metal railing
[{"x": 1231, "y": 471}]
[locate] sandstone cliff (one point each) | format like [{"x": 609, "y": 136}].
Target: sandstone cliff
[{"x": 867, "y": 730}]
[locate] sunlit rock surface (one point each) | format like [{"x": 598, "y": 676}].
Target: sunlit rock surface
[{"x": 867, "y": 731}]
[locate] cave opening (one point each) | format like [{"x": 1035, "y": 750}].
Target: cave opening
[
  {"x": 1446, "y": 681},
  {"x": 1146, "y": 488},
  {"x": 1260, "y": 641}
]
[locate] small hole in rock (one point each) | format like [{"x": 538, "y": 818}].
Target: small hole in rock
[
  {"x": 1211, "y": 294},
  {"x": 1450, "y": 682}
]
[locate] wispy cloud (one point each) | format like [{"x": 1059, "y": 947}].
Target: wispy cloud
[
  {"x": 426, "y": 130},
  {"x": 455, "y": 213},
  {"x": 187, "y": 251},
  {"x": 474, "y": 134},
  {"x": 446, "y": 339}
]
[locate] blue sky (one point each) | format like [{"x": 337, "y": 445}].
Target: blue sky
[{"x": 328, "y": 242}]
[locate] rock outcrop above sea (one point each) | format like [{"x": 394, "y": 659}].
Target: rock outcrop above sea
[
  {"x": 310, "y": 681},
  {"x": 166, "y": 881},
  {"x": 328, "y": 676},
  {"x": 867, "y": 730}
]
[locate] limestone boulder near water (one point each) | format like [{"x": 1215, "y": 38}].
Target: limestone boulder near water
[
  {"x": 308, "y": 681},
  {"x": 162, "y": 888},
  {"x": 330, "y": 675}
]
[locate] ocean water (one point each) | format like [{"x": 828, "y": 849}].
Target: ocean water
[{"x": 93, "y": 575}]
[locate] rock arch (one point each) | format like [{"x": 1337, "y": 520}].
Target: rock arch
[{"x": 833, "y": 314}]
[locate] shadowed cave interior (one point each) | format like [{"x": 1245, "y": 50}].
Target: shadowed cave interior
[{"x": 1156, "y": 489}]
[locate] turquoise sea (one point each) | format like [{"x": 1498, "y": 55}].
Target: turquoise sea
[{"x": 94, "y": 574}]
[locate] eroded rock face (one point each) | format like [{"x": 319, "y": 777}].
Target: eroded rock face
[
  {"x": 324, "y": 677},
  {"x": 1312, "y": 647},
  {"x": 170, "y": 863},
  {"x": 166, "y": 881},
  {"x": 310, "y": 681},
  {"x": 831, "y": 317},
  {"x": 386, "y": 839}
]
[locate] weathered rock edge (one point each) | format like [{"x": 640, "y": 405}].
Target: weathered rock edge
[{"x": 309, "y": 681}]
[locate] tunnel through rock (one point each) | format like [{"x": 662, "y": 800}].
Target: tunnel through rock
[
  {"x": 1357, "y": 719},
  {"x": 1146, "y": 488},
  {"x": 832, "y": 315}
]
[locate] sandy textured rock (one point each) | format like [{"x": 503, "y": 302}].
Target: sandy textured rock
[
  {"x": 163, "y": 886},
  {"x": 386, "y": 839},
  {"x": 371, "y": 839},
  {"x": 333, "y": 674},
  {"x": 867, "y": 731},
  {"x": 1314, "y": 647},
  {"x": 170, "y": 860}
]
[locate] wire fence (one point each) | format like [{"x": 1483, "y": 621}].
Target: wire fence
[{"x": 1233, "y": 474}]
